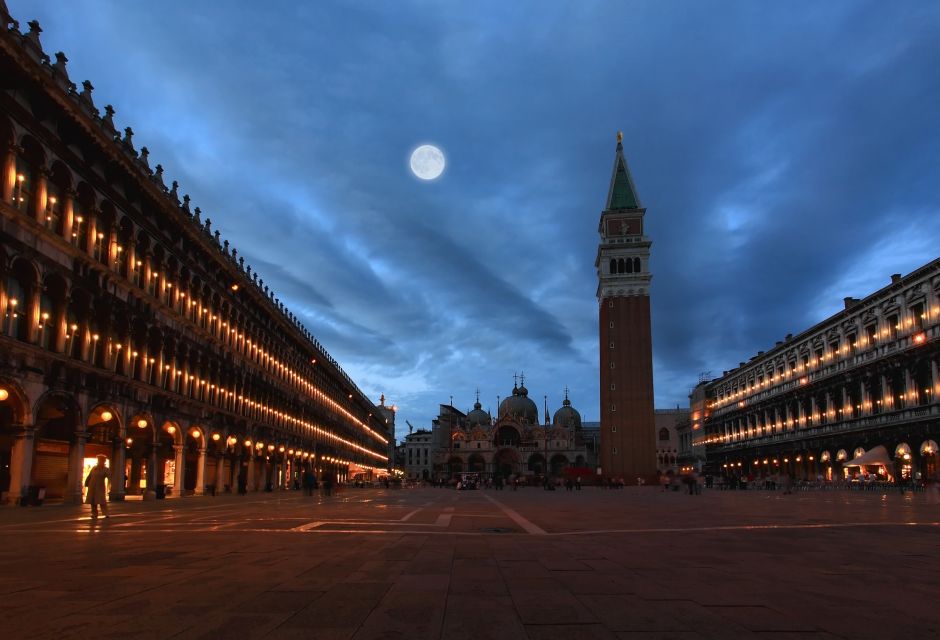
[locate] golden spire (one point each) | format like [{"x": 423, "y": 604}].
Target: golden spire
[{"x": 620, "y": 136}]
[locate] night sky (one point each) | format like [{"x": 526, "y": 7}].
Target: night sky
[{"x": 787, "y": 153}]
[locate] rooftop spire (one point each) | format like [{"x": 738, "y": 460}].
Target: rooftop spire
[{"x": 622, "y": 193}]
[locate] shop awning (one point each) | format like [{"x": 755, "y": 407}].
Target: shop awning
[{"x": 876, "y": 455}]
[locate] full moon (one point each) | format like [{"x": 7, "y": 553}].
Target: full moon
[{"x": 427, "y": 162}]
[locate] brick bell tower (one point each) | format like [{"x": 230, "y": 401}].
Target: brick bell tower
[{"x": 627, "y": 443}]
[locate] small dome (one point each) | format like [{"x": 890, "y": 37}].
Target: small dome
[
  {"x": 567, "y": 417},
  {"x": 478, "y": 416}
]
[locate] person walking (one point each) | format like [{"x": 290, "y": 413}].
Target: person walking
[
  {"x": 97, "y": 495},
  {"x": 243, "y": 481}
]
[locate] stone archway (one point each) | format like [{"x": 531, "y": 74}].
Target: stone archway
[
  {"x": 537, "y": 463},
  {"x": 169, "y": 458},
  {"x": 193, "y": 463},
  {"x": 57, "y": 461},
  {"x": 476, "y": 463},
  {"x": 140, "y": 447},
  {"x": 506, "y": 462},
  {"x": 14, "y": 412},
  {"x": 103, "y": 437},
  {"x": 558, "y": 464}
]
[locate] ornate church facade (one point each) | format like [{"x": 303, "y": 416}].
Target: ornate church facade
[{"x": 514, "y": 443}]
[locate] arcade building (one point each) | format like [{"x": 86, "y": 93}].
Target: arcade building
[
  {"x": 129, "y": 328},
  {"x": 856, "y": 394}
]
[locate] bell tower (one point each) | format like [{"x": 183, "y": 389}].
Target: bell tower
[{"x": 627, "y": 444}]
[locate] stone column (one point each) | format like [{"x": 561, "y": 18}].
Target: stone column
[
  {"x": 31, "y": 313},
  {"x": 887, "y": 401},
  {"x": 848, "y": 410},
  {"x": 180, "y": 451},
  {"x": 39, "y": 196},
  {"x": 910, "y": 390},
  {"x": 934, "y": 381},
  {"x": 201, "y": 473},
  {"x": 812, "y": 409},
  {"x": 118, "y": 480},
  {"x": 252, "y": 486},
  {"x": 8, "y": 175},
  {"x": 150, "y": 491},
  {"x": 73, "y": 488},
  {"x": 68, "y": 214},
  {"x": 21, "y": 462},
  {"x": 865, "y": 399},
  {"x": 220, "y": 473},
  {"x": 788, "y": 416}
]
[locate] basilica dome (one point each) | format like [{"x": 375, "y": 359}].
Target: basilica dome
[
  {"x": 478, "y": 416},
  {"x": 567, "y": 417},
  {"x": 519, "y": 406}
]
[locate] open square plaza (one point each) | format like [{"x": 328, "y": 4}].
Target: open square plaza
[{"x": 635, "y": 563}]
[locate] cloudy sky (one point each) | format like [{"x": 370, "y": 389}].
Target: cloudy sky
[{"x": 788, "y": 155}]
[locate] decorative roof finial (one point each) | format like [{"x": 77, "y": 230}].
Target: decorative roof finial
[
  {"x": 108, "y": 119},
  {"x": 619, "y": 137},
  {"x": 158, "y": 176},
  {"x": 144, "y": 153},
  {"x": 85, "y": 96},
  {"x": 31, "y": 39},
  {"x": 60, "y": 73},
  {"x": 129, "y": 140}
]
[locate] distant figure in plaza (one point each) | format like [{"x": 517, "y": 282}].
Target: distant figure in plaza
[
  {"x": 97, "y": 494},
  {"x": 310, "y": 483},
  {"x": 664, "y": 481},
  {"x": 577, "y": 483},
  {"x": 787, "y": 483},
  {"x": 242, "y": 482}
]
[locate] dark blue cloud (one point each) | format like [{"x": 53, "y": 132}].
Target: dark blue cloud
[{"x": 787, "y": 155}]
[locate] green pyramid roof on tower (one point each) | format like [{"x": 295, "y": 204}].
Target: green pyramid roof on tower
[{"x": 622, "y": 194}]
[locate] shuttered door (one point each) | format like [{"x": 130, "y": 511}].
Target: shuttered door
[
  {"x": 51, "y": 470},
  {"x": 211, "y": 465}
]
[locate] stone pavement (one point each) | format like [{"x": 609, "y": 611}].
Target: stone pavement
[{"x": 436, "y": 563}]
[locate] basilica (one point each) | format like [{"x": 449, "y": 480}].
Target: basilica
[{"x": 516, "y": 443}]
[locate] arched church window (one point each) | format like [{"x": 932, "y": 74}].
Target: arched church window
[
  {"x": 629, "y": 266},
  {"x": 613, "y": 265},
  {"x": 664, "y": 434},
  {"x": 621, "y": 268},
  {"x": 636, "y": 265}
]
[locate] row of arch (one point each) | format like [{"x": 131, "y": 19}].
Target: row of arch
[
  {"x": 889, "y": 389},
  {"x": 625, "y": 265},
  {"x": 53, "y": 446},
  {"x": 918, "y": 459},
  {"x": 507, "y": 462}
]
